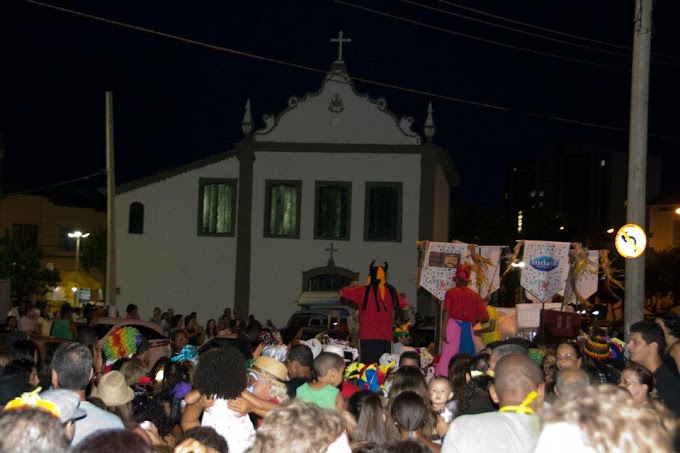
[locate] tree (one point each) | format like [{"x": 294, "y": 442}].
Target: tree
[
  {"x": 20, "y": 263},
  {"x": 94, "y": 253}
]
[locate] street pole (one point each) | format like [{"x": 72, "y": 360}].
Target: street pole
[
  {"x": 637, "y": 158},
  {"x": 110, "y": 297},
  {"x": 77, "y": 253}
]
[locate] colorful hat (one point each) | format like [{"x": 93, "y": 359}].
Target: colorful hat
[
  {"x": 32, "y": 400},
  {"x": 463, "y": 272},
  {"x": 597, "y": 347},
  {"x": 122, "y": 343},
  {"x": 402, "y": 330}
]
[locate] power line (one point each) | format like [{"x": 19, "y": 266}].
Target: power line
[
  {"x": 63, "y": 183},
  {"x": 324, "y": 72},
  {"x": 489, "y": 41},
  {"x": 550, "y": 30},
  {"x": 536, "y": 35}
]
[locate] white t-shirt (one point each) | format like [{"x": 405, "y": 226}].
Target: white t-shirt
[
  {"x": 562, "y": 437},
  {"x": 96, "y": 420},
  {"x": 506, "y": 432},
  {"x": 238, "y": 431}
]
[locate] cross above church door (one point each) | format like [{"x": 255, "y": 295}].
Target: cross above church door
[{"x": 331, "y": 249}]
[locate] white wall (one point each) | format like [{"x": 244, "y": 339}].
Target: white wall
[
  {"x": 277, "y": 264},
  {"x": 170, "y": 265}
]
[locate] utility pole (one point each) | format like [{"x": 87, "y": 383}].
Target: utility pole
[
  {"x": 110, "y": 297},
  {"x": 634, "y": 299}
]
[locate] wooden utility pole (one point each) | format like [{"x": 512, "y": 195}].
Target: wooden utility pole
[
  {"x": 634, "y": 300},
  {"x": 110, "y": 206}
]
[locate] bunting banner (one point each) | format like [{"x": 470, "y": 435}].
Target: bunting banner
[
  {"x": 546, "y": 268},
  {"x": 586, "y": 280},
  {"x": 490, "y": 279},
  {"x": 439, "y": 266}
]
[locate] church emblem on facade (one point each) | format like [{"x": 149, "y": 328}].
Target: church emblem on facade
[{"x": 336, "y": 105}]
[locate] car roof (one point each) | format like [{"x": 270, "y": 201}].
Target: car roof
[{"x": 117, "y": 323}]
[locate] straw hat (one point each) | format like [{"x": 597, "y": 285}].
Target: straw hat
[
  {"x": 113, "y": 390},
  {"x": 271, "y": 369}
]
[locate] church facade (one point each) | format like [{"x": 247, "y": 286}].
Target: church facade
[{"x": 305, "y": 203}]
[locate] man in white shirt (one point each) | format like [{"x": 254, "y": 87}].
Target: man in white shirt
[
  {"x": 27, "y": 322},
  {"x": 518, "y": 389},
  {"x": 72, "y": 370}
]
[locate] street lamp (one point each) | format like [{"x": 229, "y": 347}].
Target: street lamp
[{"x": 77, "y": 235}]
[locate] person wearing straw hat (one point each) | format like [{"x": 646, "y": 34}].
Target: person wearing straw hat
[
  {"x": 266, "y": 388},
  {"x": 116, "y": 395}
]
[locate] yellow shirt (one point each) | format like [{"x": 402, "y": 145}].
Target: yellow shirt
[{"x": 490, "y": 337}]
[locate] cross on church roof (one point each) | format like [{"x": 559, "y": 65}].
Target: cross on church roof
[
  {"x": 331, "y": 249},
  {"x": 339, "y": 40}
]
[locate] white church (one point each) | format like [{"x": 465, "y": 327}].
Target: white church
[{"x": 332, "y": 182}]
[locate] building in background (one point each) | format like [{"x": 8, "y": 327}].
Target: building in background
[
  {"x": 663, "y": 218},
  {"x": 586, "y": 187},
  {"x": 306, "y": 203},
  {"x": 47, "y": 224}
]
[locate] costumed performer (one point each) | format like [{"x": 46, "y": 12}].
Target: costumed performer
[
  {"x": 377, "y": 303},
  {"x": 462, "y": 309},
  {"x": 402, "y": 337}
]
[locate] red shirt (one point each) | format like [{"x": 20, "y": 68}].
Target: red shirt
[
  {"x": 464, "y": 304},
  {"x": 373, "y": 324}
]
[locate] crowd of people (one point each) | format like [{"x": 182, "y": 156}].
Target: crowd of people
[{"x": 593, "y": 393}]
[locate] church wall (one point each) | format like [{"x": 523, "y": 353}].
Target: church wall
[
  {"x": 442, "y": 194},
  {"x": 170, "y": 265},
  {"x": 277, "y": 264}
]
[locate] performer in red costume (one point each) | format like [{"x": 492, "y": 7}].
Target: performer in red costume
[
  {"x": 462, "y": 309},
  {"x": 377, "y": 303}
]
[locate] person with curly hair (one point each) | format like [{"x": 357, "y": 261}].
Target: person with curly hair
[
  {"x": 604, "y": 418},
  {"x": 220, "y": 376},
  {"x": 301, "y": 427},
  {"x": 150, "y": 413}
]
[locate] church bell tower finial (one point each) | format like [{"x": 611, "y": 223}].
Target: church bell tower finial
[{"x": 247, "y": 122}]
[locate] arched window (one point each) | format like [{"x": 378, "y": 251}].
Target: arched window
[{"x": 136, "y": 218}]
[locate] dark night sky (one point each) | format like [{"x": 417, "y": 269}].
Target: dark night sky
[{"x": 176, "y": 102}]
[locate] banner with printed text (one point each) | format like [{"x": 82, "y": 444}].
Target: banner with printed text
[
  {"x": 546, "y": 268},
  {"x": 439, "y": 266}
]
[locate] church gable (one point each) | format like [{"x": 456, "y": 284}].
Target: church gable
[{"x": 337, "y": 113}]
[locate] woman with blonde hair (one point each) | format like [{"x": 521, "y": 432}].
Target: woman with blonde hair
[{"x": 602, "y": 419}]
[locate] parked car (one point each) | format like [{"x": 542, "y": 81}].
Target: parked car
[
  {"x": 46, "y": 345},
  {"x": 319, "y": 320},
  {"x": 320, "y": 311}
]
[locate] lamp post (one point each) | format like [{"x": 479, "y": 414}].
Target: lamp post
[{"x": 77, "y": 235}]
